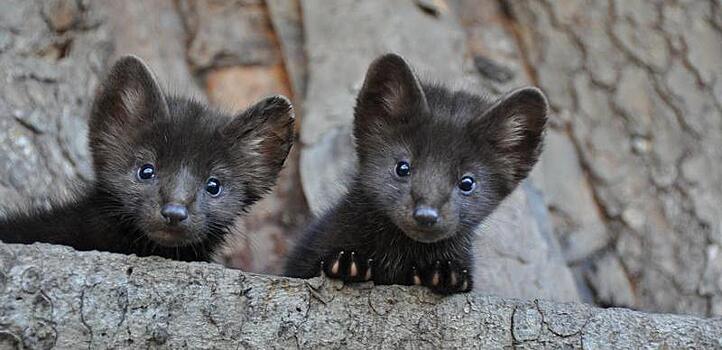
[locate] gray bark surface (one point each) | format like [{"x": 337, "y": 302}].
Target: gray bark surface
[
  {"x": 44, "y": 96},
  {"x": 160, "y": 39},
  {"x": 53, "y": 297},
  {"x": 636, "y": 88}
]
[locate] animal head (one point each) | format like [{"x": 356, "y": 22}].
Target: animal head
[
  {"x": 179, "y": 171},
  {"x": 437, "y": 161}
]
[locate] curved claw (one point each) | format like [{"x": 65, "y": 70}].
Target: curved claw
[
  {"x": 415, "y": 276},
  {"x": 353, "y": 268},
  {"x": 436, "y": 277},
  {"x": 337, "y": 264},
  {"x": 368, "y": 275}
]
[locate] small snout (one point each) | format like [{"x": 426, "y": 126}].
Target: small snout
[
  {"x": 426, "y": 216},
  {"x": 174, "y": 213}
]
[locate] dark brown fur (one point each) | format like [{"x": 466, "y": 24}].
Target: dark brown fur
[
  {"x": 133, "y": 123},
  {"x": 444, "y": 135}
]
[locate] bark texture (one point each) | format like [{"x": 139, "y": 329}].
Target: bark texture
[
  {"x": 637, "y": 91},
  {"x": 53, "y": 297}
]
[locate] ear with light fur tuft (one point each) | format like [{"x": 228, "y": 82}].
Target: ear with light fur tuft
[
  {"x": 266, "y": 130},
  {"x": 514, "y": 128},
  {"x": 129, "y": 95},
  {"x": 127, "y": 100},
  {"x": 390, "y": 93}
]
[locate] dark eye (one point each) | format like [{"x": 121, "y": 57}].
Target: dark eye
[
  {"x": 146, "y": 172},
  {"x": 213, "y": 187},
  {"x": 403, "y": 169},
  {"x": 467, "y": 184}
]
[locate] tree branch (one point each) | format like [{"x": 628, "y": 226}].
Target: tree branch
[{"x": 53, "y": 296}]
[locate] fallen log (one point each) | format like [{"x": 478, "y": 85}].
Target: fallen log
[{"x": 55, "y": 297}]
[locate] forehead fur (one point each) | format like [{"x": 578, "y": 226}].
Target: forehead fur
[
  {"x": 191, "y": 135},
  {"x": 443, "y": 131}
]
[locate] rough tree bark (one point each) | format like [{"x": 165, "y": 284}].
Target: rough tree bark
[
  {"x": 54, "y": 297},
  {"x": 636, "y": 87}
]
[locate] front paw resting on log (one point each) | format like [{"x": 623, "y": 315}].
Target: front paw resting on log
[
  {"x": 347, "y": 266},
  {"x": 442, "y": 277}
]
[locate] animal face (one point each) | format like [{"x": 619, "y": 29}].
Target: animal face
[
  {"x": 438, "y": 162},
  {"x": 181, "y": 172}
]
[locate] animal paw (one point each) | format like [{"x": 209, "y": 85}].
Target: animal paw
[
  {"x": 347, "y": 266},
  {"x": 442, "y": 278}
]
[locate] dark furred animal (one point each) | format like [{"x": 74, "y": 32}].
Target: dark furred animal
[
  {"x": 171, "y": 174},
  {"x": 433, "y": 164}
]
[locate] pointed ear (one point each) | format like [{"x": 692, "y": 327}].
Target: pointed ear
[
  {"x": 128, "y": 97},
  {"x": 266, "y": 130},
  {"x": 390, "y": 90},
  {"x": 514, "y": 127}
]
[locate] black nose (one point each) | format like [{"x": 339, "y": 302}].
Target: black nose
[
  {"x": 426, "y": 216},
  {"x": 174, "y": 212}
]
